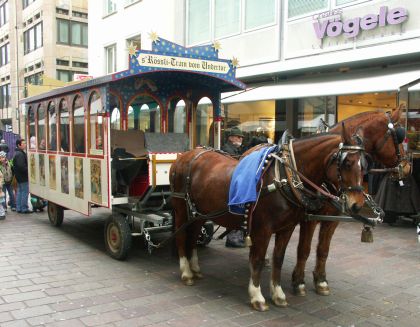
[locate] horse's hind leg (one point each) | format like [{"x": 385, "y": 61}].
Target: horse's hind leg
[
  {"x": 306, "y": 233},
  {"x": 277, "y": 294},
  {"x": 326, "y": 233},
  {"x": 180, "y": 217},
  {"x": 256, "y": 263}
]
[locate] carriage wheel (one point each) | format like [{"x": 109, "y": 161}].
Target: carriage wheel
[
  {"x": 55, "y": 214},
  {"x": 117, "y": 236}
]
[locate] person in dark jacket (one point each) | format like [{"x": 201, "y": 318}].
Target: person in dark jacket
[
  {"x": 20, "y": 169},
  {"x": 233, "y": 146}
]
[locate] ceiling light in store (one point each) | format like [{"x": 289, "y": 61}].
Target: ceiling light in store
[{"x": 360, "y": 102}]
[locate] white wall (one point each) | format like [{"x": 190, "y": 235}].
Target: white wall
[{"x": 165, "y": 17}]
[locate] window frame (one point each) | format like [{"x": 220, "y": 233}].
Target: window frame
[
  {"x": 59, "y": 137},
  {"x": 95, "y": 150},
  {"x": 242, "y": 21},
  {"x": 37, "y": 120},
  {"x": 109, "y": 47},
  {"x": 72, "y": 138},
  {"x": 49, "y": 140},
  {"x": 32, "y": 33}
]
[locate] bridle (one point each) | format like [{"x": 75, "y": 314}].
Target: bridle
[
  {"x": 397, "y": 133},
  {"x": 340, "y": 157}
]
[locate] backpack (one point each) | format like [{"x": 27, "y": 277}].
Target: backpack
[{"x": 7, "y": 173}]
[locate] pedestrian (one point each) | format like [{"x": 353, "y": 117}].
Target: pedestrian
[
  {"x": 2, "y": 195},
  {"x": 6, "y": 170},
  {"x": 3, "y": 146},
  {"x": 233, "y": 146},
  {"x": 20, "y": 170}
]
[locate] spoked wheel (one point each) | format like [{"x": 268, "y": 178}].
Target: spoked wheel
[
  {"x": 55, "y": 214},
  {"x": 117, "y": 236}
]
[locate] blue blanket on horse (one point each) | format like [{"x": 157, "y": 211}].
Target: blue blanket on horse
[{"x": 245, "y": 178}]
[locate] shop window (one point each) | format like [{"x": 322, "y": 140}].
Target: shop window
[
  {"x": 41, "y": 128},
  {"x": 303, "y": 7},
  {"x": 413, "y": 120},
  {"x": 227, "y": 18},
  {"x": 64, "y": 126},
  {"x": 203, "y": 122},
  {"x": 52, "y": 127},
  {"x": 78, "y": 125},
  {"x": 96, "y": 131},
  {"x": 311, "y": 111},
  {"x": 198, "y": 16},
  {"x": 115, "y": 105},
  {"x": 144, "y": 114},
  {"x": 256, "y": 121},
  {"x": 31, "y": 128},
  {"x": 259, "y": 13},
  {"x": 177, "y": 117}
]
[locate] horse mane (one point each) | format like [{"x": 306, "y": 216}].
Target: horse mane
[{"x": 363, "y": 116}]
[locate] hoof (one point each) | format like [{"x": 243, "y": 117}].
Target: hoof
[
  {"x": 282, "y": 303},
  {"x": 198, "y": 275},
  {"x": 188, "y": 281},
  {"x": 260, "y": 306},
  {"x": 299, "y": 290},
  {"x": 322, "y": 289}
]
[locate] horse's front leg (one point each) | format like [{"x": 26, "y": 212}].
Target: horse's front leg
[
  {"x": 180, "y": 217},
  {"x": 282, "y": 239},
  {"x": 193, "y": 234},
  {"x": 326, "y": 233},
  {"x": 306, "y": 233},
  {"x": 257, "y": 252}
]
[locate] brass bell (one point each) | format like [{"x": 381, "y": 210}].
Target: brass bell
[{"x": 367, "y": 236}]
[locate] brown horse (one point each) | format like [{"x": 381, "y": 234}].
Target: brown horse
[
  {"x": 200, "y": 181},
  {"x": 380, "y": 144}
]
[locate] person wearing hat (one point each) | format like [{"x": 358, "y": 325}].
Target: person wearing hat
[
  {"x": 3, "y": 146},
  {"x": 6, "y": 170},
  {"x": 233, "y": 145}
]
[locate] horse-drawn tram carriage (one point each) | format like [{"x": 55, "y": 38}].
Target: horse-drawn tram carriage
[
  {"x": 116, "y": 142},
  {"x": 109, "y": 142}
]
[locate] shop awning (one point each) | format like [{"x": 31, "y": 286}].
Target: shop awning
[{"x": 384, "y": 80}]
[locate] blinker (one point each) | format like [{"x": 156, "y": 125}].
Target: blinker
[{"x": 400, "y": 132}]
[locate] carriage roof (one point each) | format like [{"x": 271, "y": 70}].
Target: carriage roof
[{"x": 167, "y": 62}]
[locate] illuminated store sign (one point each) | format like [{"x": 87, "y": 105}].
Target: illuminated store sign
[{"x": 352, "y": 27}]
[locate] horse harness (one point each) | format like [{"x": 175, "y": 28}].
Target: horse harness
[{"x": 288, "y": 181}]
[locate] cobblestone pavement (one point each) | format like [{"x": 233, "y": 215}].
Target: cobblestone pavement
[{"x": 63, "y": 277}]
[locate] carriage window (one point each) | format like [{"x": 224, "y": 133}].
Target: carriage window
[
  {"x": 115, "y": 106},
  {"x": 177, "y": 122},
  {"x": 64, "y": 126},
  {"x": 31, "y": 120},
  {"x": 41, "y": 128},
  {"x": 78, "y": 125},
  {"x": 95, "y": 124},
  {"x": 52, "y": 127},
  {"x": 204, "y": 119},
  {"x": 144, "y": 114}
]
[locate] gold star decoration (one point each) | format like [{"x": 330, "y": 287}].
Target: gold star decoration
[
  {"x": 132, "y": 49},
  {"x": 235, "y": 62},
  {"x": 154, "y": 37},
  {"x": 216, "y": 45}
]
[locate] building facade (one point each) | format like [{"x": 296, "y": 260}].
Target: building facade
[
  {"x": 302, "y": 60},
  {"x": 38, "y": 38}
]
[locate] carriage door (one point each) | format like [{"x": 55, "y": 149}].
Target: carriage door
[{"x": 204, "y": 127}]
